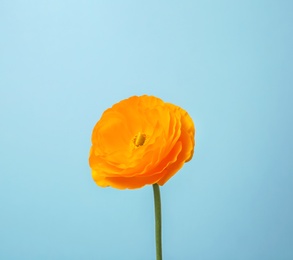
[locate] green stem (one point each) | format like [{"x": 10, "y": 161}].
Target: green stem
[{"x": 158, "y": 221}]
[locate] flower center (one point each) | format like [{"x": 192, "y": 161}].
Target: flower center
[{"x": 139, "y": 139}]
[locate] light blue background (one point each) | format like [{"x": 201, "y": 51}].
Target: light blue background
[{"x": 228, "y": 63}]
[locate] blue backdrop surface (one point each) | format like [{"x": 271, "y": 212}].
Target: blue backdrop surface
[{"x": 228, "y": 63}]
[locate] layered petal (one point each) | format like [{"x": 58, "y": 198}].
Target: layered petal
[{"x": 140, "y": 141}]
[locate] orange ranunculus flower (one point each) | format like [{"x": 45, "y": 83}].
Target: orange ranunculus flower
[{"x": 140, "y": 140}]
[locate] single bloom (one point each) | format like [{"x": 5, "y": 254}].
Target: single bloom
[{"x": 139, "y": 141}]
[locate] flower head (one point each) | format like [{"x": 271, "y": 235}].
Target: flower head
[{"x": 140, "y": 140}]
